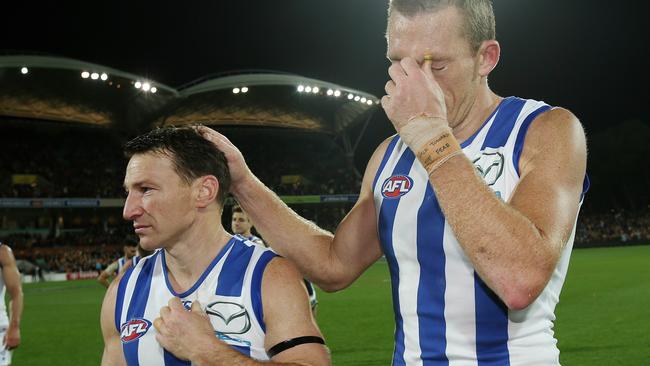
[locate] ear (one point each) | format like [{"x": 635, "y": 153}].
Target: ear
[
  {"x": 488, "y": 54},
  {"x": 207, "y": 189}
]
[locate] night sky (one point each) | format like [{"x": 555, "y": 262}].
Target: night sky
[{"x": 583, "y": 55}]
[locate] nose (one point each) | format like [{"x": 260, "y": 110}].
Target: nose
[{"x": 132, "y": 207}]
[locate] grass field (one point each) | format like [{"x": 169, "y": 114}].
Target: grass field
[{"x": 603, "y": 317}]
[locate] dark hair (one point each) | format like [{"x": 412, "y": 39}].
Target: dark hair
[
  {"x": 237, "y": 208},
  {"x": 479, "y": 24},
  {"x": 192, "y": 155}
]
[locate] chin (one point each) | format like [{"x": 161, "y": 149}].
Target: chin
[{"x": 149, "y": 244}]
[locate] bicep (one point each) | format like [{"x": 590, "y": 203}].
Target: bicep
[
  {"x": 113, "y": 354},
  {"x": 10, "y": 273},
  {"x": 287, "y": 314},
  {"x": 553, "y": 169}
]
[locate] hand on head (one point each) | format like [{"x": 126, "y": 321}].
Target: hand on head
[{"x": 239, "y": 171}]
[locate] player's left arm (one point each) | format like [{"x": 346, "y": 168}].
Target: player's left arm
[
  {"x": 11, "y": 277},
  {"x": 287, "y": 315},
  {"x": 515, "y": 246},
  {"x": 112, "y": 354}
]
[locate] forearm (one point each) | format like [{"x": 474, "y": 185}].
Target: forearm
[
  {"x": 507, "y": 250},
  {"x": 217, "y": 353},
  {"x": 292, "y": 236},
  {"x": 16, "y": 309},
  {"x": 104, "y": 281}
]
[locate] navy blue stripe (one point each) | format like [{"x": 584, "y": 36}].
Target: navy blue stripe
[
  {"x": 389, "y": 151},
  {"x": 385, "y": 224},
  {"x": 171, "y": 360},
  {"x": 503, "y": 123},
  {"x": 121, "y": 289},
  {"x": 256, "y": 286},
  {"x": 203, "y": 276},
  {"x": 432, "y": 285},
  {"x": 246, "y": 351},
  {"x": 491, "y": 326},
  {"x": 136, "y": 309},
  {"x": 231, "y": 276},
  {"x": 521, "y": 135},
  {"x": 467, "y": 142}
]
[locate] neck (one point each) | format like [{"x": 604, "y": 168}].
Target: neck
[
  {"x": 188, "y": 257},
  {"x": 484, "y": 104}
]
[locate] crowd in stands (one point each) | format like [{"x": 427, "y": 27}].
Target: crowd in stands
[
  {"x": 87, "y": 164},
  {"x": 90, "y": 250},
  {"x": 90, "y": 164},
  {"x": 616, "y": 226}
]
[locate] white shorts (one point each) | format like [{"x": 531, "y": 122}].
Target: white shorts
[{"x": 5, "y": 355}]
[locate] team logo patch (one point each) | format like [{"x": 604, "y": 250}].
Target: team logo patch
[
  {"x": 489, "y": 166},
  {"x": 396, "y": 186},
  {"x": 134, "y": 329},
  {"x": 228, "y": 317}
]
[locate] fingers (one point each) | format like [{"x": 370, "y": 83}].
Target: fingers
[
  {"x": 159, "y": 324},
  {"x": 410, "y": 66},
  {"x": 385, "y": 102},
  {"x": 196, "y": 306},
  {"x": 174, "y": 304},
  {"x": 390, "y": 87},
  {"x": 215, "y": 137},
  {"x": 165, "y": 311},
  {"x": 426, "y": 66},
  {"x": 396, "y": 72}
]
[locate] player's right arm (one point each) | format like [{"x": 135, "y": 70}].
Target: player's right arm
[
  {"x": 107, "y": 274},
  {"x": 113, "y": 355},
  {"x": 331, "y": 261}
]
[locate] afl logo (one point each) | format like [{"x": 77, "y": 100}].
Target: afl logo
[
  {"x": 396, "y": 186},
  {"x": 134, "y": 329}
]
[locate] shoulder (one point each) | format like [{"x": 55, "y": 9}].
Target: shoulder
[
  {"x": 557, "y": 134},
  {"x": 555, "y": 137},
  {"x": 280, "y": 269},
  {"x": 557, "y": 122},
  {"x": 6, "y": 255}
]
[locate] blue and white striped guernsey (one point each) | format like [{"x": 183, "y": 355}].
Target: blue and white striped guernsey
[
  {"x": 229, "y": 290},
  {"x": 444, "y": 313},
  {"x": 120, "y": 263}
]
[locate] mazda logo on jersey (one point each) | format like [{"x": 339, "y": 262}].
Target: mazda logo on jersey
[
  {"x": 228, "y": 317},
  {"x": 134, "y": 329},
  {"x": 396, "y": 186},
  {"x": 489, "y": 166}
]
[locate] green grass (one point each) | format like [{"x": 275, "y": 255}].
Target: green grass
[{"x": 602, "y": 319}]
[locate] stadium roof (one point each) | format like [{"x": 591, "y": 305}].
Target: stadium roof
[{"x": 68, "y": 90}]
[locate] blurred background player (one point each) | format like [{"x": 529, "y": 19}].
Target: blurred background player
[
  {"x": 9, "y": 326},
  {"x": 117, "y": 267},
  {"x": 241, "y": 224},
  {"x": 140, "y": 253}
]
